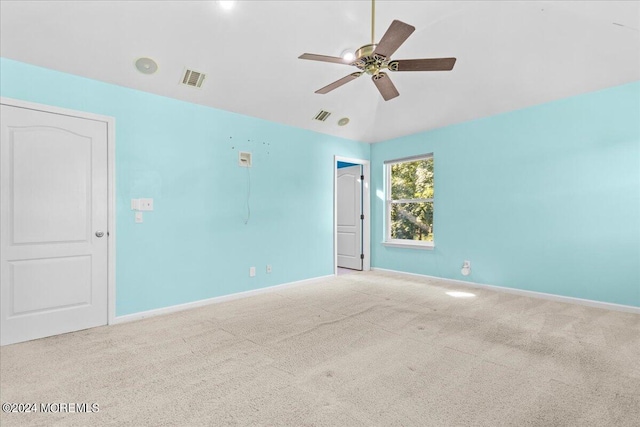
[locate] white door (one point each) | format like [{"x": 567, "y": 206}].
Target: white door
[
  {"x": 349, "y": 213},
  {"x": 53, "y": 209}
]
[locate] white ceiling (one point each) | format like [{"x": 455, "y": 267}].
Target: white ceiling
[{"x": 511, "y": 54}]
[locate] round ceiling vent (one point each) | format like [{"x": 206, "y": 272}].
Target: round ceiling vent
[
  {"x": 343, "y": 121},
  {"x": 146, "y": 65}
]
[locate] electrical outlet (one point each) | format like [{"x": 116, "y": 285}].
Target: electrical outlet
[
  {"x": 466, "y": 268},
  {"x": 268, "y": 268},
  {"x": 138, "y": 217},
  {"x": 252, "y": 271}
]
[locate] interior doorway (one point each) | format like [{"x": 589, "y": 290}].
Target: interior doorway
[
  {"x": 56, "y": 221},
  {"x": 351, "y": 215}
]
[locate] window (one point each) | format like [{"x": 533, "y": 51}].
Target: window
[{"x": 409, "y": 195}]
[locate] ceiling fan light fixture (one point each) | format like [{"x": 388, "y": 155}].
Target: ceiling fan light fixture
[{"x": 348, "y": 55}]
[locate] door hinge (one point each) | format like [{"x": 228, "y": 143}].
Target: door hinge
[
  {"x": 361, "y": 256},
  {"x": 362, "y": 177},
  {"x": 361, "y": 216}
]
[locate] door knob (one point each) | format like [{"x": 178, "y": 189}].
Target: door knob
[{"x": 99, "y": 233}]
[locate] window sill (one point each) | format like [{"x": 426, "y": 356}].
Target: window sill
[{"x": 410, "y": 245}]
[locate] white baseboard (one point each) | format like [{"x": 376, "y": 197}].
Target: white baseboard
[
  {"x": 215, "y": 300},
  {"x": 533, "y": 294}
]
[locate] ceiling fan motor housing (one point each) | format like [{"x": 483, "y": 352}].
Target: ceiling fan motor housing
[
  {"x": 366, "y": 50},
  {"x": 368, "y": 61}
]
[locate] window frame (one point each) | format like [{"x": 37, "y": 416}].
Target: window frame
[{"x": 405, "y": 243}]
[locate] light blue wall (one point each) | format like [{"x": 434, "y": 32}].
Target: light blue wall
[
  {"x": 195, "y": 245},
  {"x": 545, "y": 198}
]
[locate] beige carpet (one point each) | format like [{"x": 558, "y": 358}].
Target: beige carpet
[{"x": 355, "y": 350}]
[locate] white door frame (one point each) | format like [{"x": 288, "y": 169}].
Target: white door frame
[
  {"x": 366, "y": 208},
  {"x": 111, "y": 184}
]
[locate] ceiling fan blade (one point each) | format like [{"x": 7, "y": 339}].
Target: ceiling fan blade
[
  {"x": 427, "y": 64},
  {"x": 385, "y": 86},
  {"x": 396, "y": 34},
  {"x": 325, "y": 58},
  {"x": 328, "y": 88}
]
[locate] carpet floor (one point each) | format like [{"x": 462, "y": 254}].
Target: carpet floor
[{"x": 365, "y": 349}]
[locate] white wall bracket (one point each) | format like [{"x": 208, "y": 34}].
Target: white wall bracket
[{"x": 244, "y": 159}]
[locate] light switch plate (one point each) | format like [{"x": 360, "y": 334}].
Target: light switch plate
[
  {"x": 135, "y": 204},
  {"x": 138, "y": 217},
  {"x": 146, "y": 204}
]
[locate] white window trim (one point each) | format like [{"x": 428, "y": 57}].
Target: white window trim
[
  {"x": 401, "y": 243},
  {"x": 398, "y": 243}
]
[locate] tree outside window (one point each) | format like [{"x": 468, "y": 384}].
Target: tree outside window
[{"x": 410, "y": 200}]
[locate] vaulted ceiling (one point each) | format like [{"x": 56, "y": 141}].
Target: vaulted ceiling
[{"x": 510, "y": 54}]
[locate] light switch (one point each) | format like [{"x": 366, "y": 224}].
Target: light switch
[
  {"x": 142, "y": 204},
  {"x": 138, "y": 217},
  {"x": 146, "y": 204}
]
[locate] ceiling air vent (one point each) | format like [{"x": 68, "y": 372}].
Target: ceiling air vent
[
  {"x": 192, "y": 78},
  {"x": 322, "y": 116}
]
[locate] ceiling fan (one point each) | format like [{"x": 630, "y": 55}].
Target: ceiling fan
[{"x": 373, "y": 58}]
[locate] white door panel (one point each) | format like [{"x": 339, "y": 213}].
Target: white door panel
[
  {"x": 349, "y": 211},
  {"x": 53, "y": 267},
  {"x": 30, "y": 284},
  {"x": 37, "y": 177},
  {"x": 347, "y": 243}
]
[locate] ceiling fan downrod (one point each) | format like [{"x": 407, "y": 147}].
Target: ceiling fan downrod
[{"x": 373, "y": 21}]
